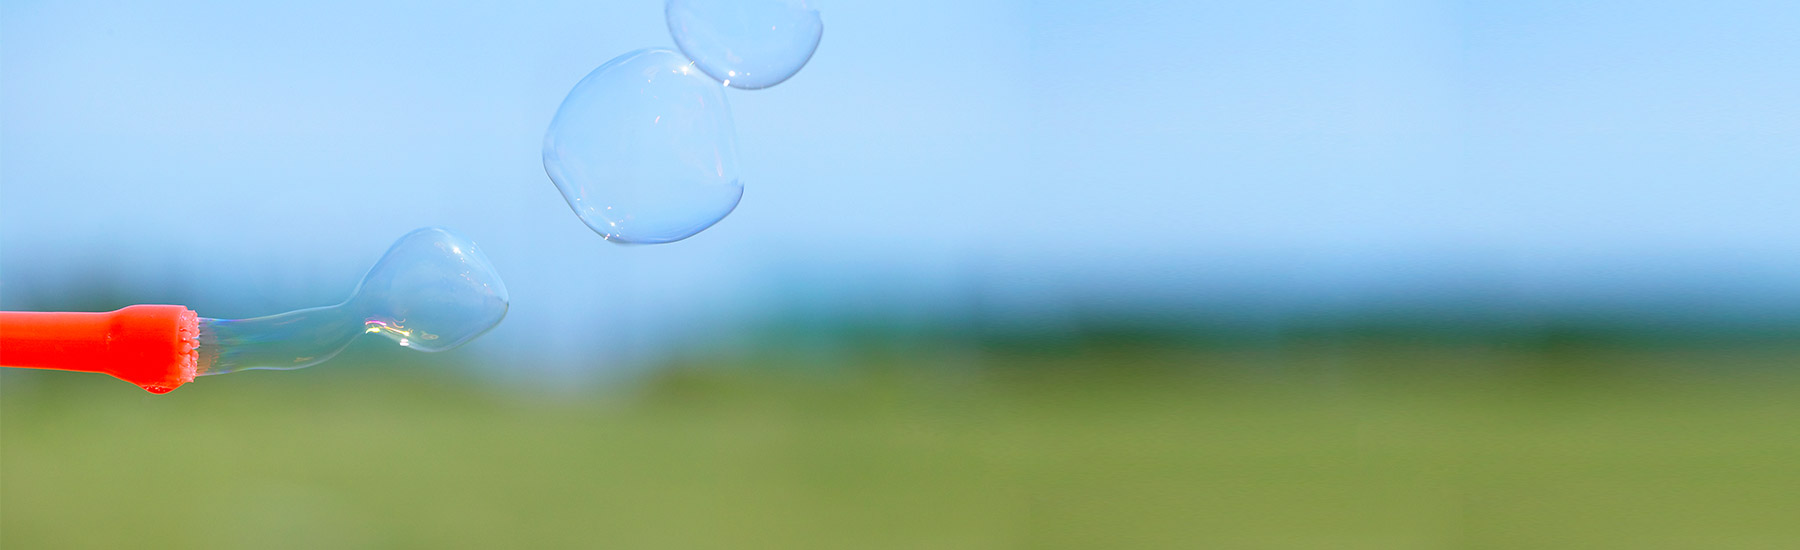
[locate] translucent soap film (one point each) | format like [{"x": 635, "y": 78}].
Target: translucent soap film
[{"x": 432, "y": 291}]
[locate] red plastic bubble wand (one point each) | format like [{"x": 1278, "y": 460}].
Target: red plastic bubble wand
[{"x": 155, "y": 347}]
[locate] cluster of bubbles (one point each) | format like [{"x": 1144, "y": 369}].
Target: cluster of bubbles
[{"x": 643, "y": 148}]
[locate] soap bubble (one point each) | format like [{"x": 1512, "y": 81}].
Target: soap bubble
[
  {"x": 432, "y": 291},
  {"x": 747, "y": 44},
  {"x": 644, "y": 150}
]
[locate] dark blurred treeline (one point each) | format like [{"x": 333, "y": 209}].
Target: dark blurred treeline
[{"x": 1165, "y": 329}]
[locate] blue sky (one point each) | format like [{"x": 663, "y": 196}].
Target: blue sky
[{"x": 265, "y": 155}]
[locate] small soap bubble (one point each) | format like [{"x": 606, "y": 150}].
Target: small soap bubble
[
  {"x": 746, "y": 44},
  {"x": 644, "y": 150}
]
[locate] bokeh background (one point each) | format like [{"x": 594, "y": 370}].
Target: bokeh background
[{"x": 1006, "y": 274}]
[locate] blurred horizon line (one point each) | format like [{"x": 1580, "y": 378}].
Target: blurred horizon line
[{"x": 1195, "y": 301}]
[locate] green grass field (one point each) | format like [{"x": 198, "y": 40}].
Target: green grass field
[{"x": 1346, "y": 447}]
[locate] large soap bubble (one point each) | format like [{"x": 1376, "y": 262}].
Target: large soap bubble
[{"x": 644, "y": 150}]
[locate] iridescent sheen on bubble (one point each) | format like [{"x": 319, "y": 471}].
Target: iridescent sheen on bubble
[
  {"x": 432, "y": 291},
  {"x": 644, "y": 151},
  {"x": 747, "y": 44}
]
